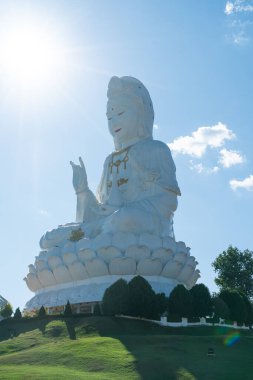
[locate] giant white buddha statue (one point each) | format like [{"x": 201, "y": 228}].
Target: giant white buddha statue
[
  {"x": 138, "y": 189},
  {"x": 127, "y": 227}
]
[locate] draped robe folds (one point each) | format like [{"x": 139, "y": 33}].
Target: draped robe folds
[
  {"x": 140, "y": 182},
  {"x": 137, "y": 193}
]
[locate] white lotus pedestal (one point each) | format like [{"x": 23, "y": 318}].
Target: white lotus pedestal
[{"x": 81, "y": 271}]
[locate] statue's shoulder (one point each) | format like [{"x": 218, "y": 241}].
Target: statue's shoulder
[
  {"x": 108, "y": 159},
  {"x": 151, "y": 146}
]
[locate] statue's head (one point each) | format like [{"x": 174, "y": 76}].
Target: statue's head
[{"x": 129, "y": 111}]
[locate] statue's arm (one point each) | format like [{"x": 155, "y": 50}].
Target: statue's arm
[
  {"x": 87, "y": 206},
  {"x": 87, "y": 203},
  {"x": 162, "y": 168}
]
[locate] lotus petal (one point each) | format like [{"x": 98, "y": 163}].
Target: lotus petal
[
  {"x": 54, "y": 262},
  {"x": 169, "y": 243},
  {"x": 96, "y": 268},
  {"x": 149, "y": 267},
  {"x": 42, "y": 255},
  {"x": 193, "y": 279},
  {"x": 54, "y": 251},
  {"x": 102, "y": 240},
  {"x": 32, "y": 282},
  {"x": 62, "y": 274},
  {"x": 46, "y": 277},
  {"x": 86, "y": 255},
  {"x": 32, "y": 269},
  {"x": 69, "y": 258},
  {"x": 40, "y": 265},
  {"x": 163, "y": 254},
  {"x": 192, "y": 261},
  {"x": 70, "y": 247},
  {"x": 172, "y": 269},
  {"x": 138, "y": 252},
  {"x": 181, "y": 247},
  {"x": 108, "y": 253},
  {"x": 122, "y": 266},
  {"x": 83, "y": 244},
  {"x": 78, "y": 271},
  {"x": 181, "y": 257},
  {"x": 150, "y": 240},
  {"x": 185, "y": 273},
  {"x": 122, "y": 240}
]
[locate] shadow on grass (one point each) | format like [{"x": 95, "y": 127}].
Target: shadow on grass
[
  {"x": 181, "y": 354},
  {"x": 158, "y": 353},
  {"x": 71, "y": 329},
  {"x": 10, "y": 328}
]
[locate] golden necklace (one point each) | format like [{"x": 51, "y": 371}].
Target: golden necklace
[{"x": 119, "y": 161}]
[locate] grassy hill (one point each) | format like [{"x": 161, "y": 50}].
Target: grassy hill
[{"x": 114, "y": 348}]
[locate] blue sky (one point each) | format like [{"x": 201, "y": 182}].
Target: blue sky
[{"x": 194, "y": 57}]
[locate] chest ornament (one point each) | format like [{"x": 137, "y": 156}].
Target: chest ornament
[{"x": 119, "y": 161}]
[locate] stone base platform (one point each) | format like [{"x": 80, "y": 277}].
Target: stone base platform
[
  {"x": 80, "y": 271},
  {"x": 90, "y": 290}
]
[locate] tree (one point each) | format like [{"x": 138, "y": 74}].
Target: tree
[
  {"x": 17, "y": 314},
  {"x": 142, "y": 298},
  {"x": 67, "y": 310},
  {"x": 6, "y": 311},
  {"x": 236, "y": 305},
  {"x": 235, "y": 270},
  {"x": 220, "y": 308},
  {"x": 249, "y": 310},
  {"x": 162, "y": 303},
  {"x": 97, "y": 310},
  {"x": 115, "y": 299},
  {"x": 180, "y": 302},
  {"x": 201, "y": 301},
  {"x": 42, "y": 312}
]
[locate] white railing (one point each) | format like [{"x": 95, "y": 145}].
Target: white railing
[{"x": 184, "y": 322}]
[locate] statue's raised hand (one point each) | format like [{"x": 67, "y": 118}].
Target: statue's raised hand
[{"x": 80, "y": 182}]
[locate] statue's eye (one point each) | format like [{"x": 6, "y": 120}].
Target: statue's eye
[
  {"x": 109, "y": 118},
  {"x": 120, "y": 113}
]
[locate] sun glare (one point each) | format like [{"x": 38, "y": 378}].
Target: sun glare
[{"x": 30, "y": 57}]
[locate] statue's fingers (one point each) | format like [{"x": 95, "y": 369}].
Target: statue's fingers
[
  {"x": 81, "y": 162},
  {"x": 72, "y": 164}
]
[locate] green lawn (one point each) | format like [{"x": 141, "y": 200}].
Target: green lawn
[{"x": 112, "y": 348}]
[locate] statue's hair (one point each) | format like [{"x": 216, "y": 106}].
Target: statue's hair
[{"x": 134, "y": 88}]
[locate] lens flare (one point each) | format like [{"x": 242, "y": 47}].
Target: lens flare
[{"x": 232, "y": 338}]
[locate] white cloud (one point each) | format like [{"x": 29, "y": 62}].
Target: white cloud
[
  {"x": 204, "y": 137},
  {"x": 229, "y": 8},
  {"x": 197, "y": 167},
  {"x": 215, "y": 169},
  {"x": 230, "y": 158},
  {"x": 200, "y": 168},
  {"x": 237, "y": 6},
  {"x": 240, "y": 38},
  {"x": 43, "y": 212},
  {"x": 156, "y": 126},
  {"x": 240, "y": 22},
  {"x": 246, "y": 183}
]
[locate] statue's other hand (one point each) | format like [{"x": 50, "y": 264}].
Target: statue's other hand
[{"x": 80, "y": 182}]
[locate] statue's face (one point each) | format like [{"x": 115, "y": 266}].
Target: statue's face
[{"x": 124, "y": 115}]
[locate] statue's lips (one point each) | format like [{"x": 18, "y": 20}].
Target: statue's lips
[{"x": 117, "y": 130}]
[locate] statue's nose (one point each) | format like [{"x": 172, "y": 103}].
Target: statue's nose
[{"x": 114, "y": 121}]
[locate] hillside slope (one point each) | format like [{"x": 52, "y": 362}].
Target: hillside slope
[{"x": 114, "y": 348}]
